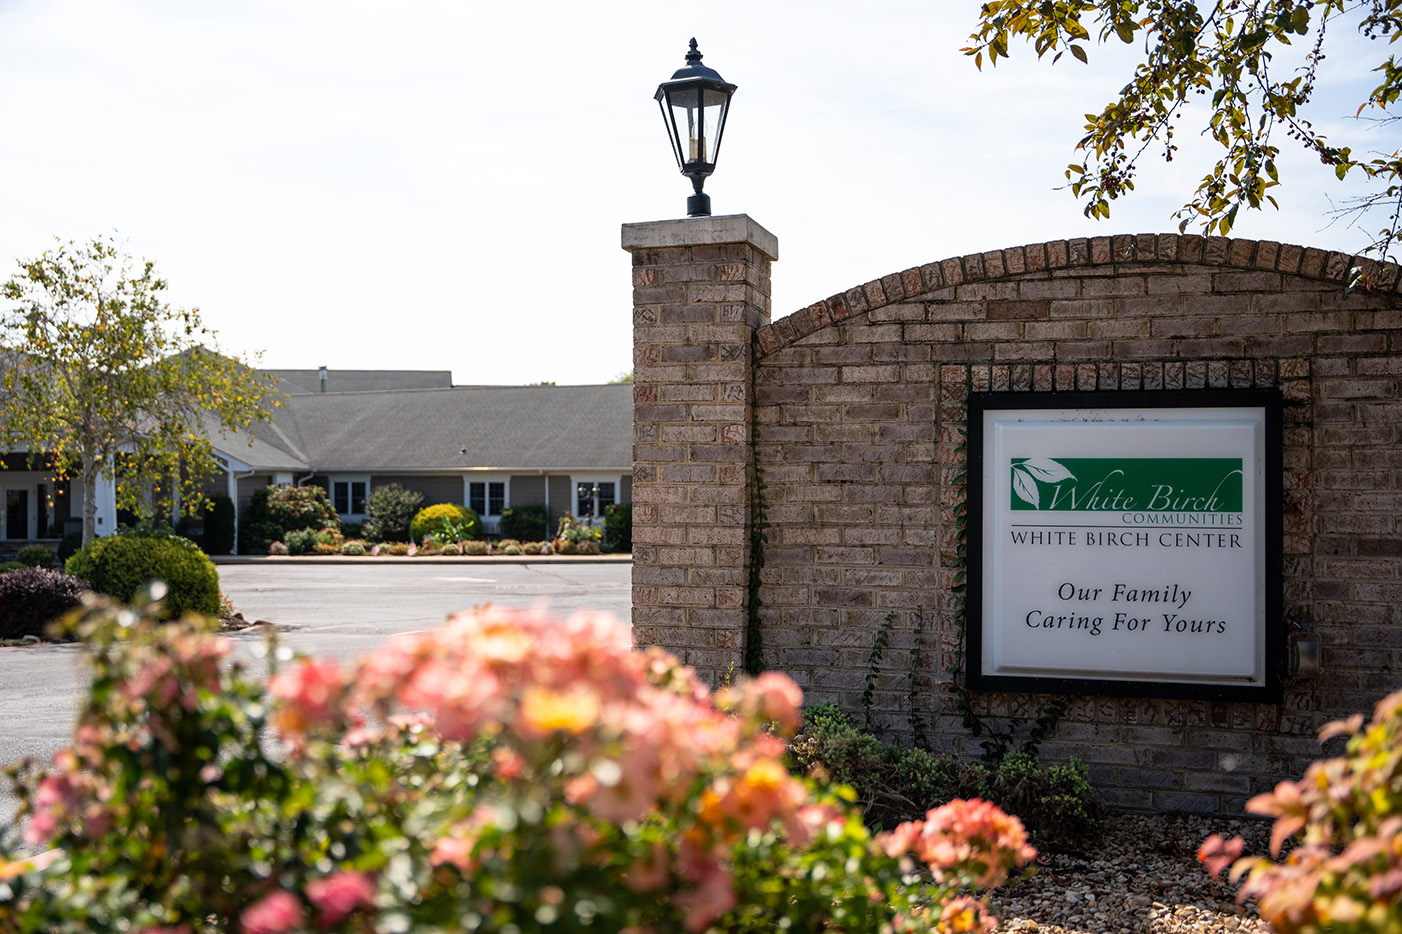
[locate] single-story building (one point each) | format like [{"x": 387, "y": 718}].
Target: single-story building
[{"x": 350, "y": 432}]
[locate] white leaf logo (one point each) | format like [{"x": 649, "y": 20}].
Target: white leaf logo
[{"x": 1028, "y": 472}]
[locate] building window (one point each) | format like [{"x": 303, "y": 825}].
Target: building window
[
  {"x": 584, "y": 494},
  {"x": 349, "y": 496},
  {"x": 486, "y": 497}
]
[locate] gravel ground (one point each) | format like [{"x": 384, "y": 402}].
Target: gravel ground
[{"x": 1142, "y": 877}]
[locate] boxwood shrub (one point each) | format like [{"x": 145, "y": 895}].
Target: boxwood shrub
[
  {"x": 31, "y": 598},
  {"x": 36, "y": 556},
  {"x": 119, "y": 565},
  {"x": 433, "y": 519}
]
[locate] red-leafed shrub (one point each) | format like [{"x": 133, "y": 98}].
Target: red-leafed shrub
[
  {"x": 1344, "y": 874},
  {"x": 31, "y": 598}
]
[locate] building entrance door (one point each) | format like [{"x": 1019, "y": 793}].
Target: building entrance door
[{"x": 17, "y": 515}]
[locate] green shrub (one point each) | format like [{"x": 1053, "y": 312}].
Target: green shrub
[
  {"x": 219, "y": 525},
  {"x": 277, "y": 548},
  {"x": 526, "y": 522},
  {"x": 511, "y": 550},
  {"x": 120, "y": 565},
  {"x": 432, "y": 519},
  {"x": 353, "y": 530},
  {"x": 1056, "y": 803},
  {"x": 618, "y": 528},
  {"x": 69, "y": 546},
  {"x": 33, "y": 597},
  {"x": 273, "y": 511},
  {"x": 300, "y": 541},
  {"x": 475, "y": 549},
  {"x": 353, "y": 548},
  {"x": 36, "y": 556},
  {"x": 257, "y": 535},
  {"x": 11, "y": 566},
  {"x": 391, "y": 510},
  {"x": 450, "y": 550}
]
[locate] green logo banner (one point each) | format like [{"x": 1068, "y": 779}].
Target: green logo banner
[{"x": 1127, "y": 484}]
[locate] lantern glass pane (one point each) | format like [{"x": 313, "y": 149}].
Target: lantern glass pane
[
  {"x": 714, "y": 116},
  {"x": 686, "y": 116}
]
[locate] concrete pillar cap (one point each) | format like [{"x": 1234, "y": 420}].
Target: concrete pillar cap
[{"x": 701, "y": 231}]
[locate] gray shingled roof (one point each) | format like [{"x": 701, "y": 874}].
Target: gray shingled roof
[
  {"x": 500, "y": 427},
  {"x": 299, "y": 381}
]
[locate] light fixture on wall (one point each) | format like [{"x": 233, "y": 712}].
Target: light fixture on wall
[{"x": 694, "y": 106}]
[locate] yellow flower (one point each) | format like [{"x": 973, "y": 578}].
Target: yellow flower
[{"x": 572, "y": 711}]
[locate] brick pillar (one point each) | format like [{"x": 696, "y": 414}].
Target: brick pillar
[{"x": 700, "y": 291}]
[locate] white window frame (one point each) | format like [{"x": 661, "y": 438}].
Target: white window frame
[
  {"x": 348, "y": 479},
  {"x": 491, "y": 521},
  {"x": 581, "y": 509}
]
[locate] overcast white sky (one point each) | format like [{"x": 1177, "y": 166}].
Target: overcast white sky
[{"x": 440, "y": 185}]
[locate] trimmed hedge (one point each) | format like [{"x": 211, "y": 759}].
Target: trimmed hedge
[
  {"x": 618, "y": 528},
  {"x": 219, "y": 525},
  {"x": 433, "y": 518},
  {"x": 36, "y": 556},
  {"x": 31, "y": 598},
  {"x": 120, "y": 565},
  {"x": 526, "y": 522}
]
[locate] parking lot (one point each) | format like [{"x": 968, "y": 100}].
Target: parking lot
[{"x": 338, "y": 609}]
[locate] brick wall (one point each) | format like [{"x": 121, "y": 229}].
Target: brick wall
[
  {"x": 700, "y": 291},
  {"x": 859, "y": 403}
]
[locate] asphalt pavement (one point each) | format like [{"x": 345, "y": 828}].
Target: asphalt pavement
[{"x": 341, "y": 609}]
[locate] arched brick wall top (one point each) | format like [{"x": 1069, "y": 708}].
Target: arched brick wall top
[{"x": 1046, "y": 258}]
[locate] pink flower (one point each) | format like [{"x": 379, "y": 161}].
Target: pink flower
[
  {"x": 1217, "y": 853},
  {"x": 278, "y": 912},
  {"x": 53, "y": 799},
  {"x": 454, "y": 851},
  {"x": 777, "y": 699},
  {"x": 708, "y": 901},
  {"x": 310, "y": 691},
  {"x": 340, "y": 893},
  {"x": 966, "y": 841}
]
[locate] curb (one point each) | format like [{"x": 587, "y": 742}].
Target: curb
[{"x": 421, "y": 559}]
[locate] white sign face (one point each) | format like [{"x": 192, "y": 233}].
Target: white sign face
[{"x": 1122, "y": 545}]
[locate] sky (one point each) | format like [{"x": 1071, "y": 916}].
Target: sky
[{"x": 441, "y": 185}]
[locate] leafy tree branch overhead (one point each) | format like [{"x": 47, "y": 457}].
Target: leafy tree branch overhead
[
  {"x": 107, "y": 379},
  {"x": 1253, "y": 64}
]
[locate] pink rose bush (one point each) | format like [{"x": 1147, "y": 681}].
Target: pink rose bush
[
  {"x": 507, "y": 772},
  {"x": 1344, "y": 873}
]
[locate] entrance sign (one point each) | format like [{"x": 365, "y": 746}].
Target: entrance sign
[{"x": 1126, "y": 543}]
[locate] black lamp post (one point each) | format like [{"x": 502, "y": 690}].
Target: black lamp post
[{"x": 694, "y": 106}]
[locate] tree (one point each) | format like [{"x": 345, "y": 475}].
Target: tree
[
  {"x": 623, "y": 377},
  {"x": 106, "y": 379},
  {"x": 1224, "y": 53}
]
